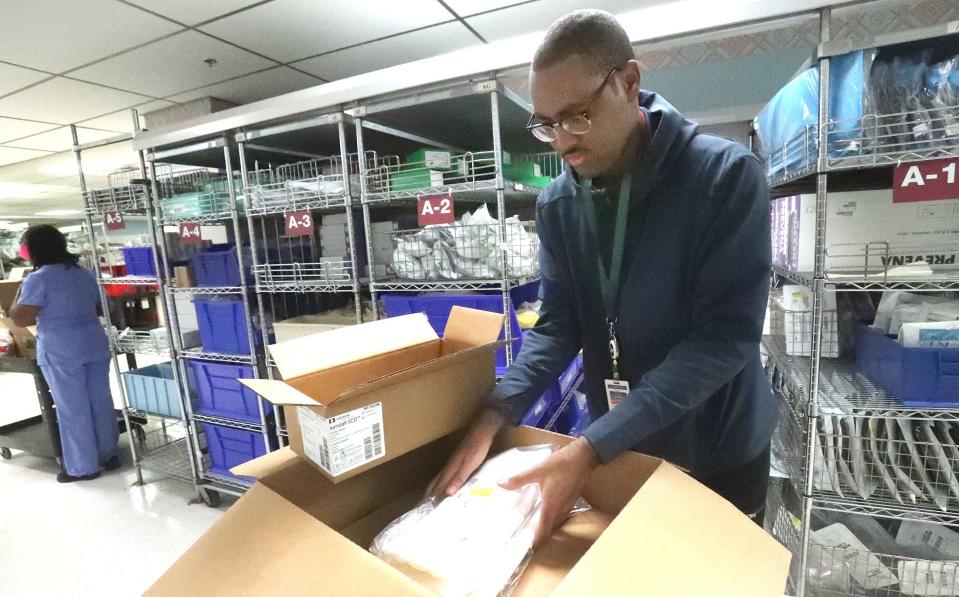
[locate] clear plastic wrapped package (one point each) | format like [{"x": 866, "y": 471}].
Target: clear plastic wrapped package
[{"x": 475, "y": 542}]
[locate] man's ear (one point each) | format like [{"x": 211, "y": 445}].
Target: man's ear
[{"x": 632, "y": 77}]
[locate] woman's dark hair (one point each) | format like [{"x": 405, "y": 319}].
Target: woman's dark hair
[{"x": 47, "y": 246}]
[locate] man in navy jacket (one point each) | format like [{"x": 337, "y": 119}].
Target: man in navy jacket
[{"x": 655, "y": 259}]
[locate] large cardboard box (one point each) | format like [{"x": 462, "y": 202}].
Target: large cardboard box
[
  {"x": 652, "y": 530},
  {"x": 24, "y": 338},
  {"x": 927, "y": 230},
  {"x": 362, "y": 395}
]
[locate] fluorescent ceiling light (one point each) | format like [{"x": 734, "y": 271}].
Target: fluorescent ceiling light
[
  {"x": 59, "y": 212},
  {"x": 74, "y": 228}
]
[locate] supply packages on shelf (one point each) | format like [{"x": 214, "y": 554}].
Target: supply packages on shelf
[
  {"x": 468, "y": 249},
  {"x": 477, "y": 541}
]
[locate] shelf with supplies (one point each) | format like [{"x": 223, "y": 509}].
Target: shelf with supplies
[{"x": 311, "y": 185}]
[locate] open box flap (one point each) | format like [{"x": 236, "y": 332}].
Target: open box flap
[
  {"x": 278, "y": 392},
  {"x": 676, "y": 537},
  {"x": 473, "y": 327},
  {"x": 325, "y": 350},
  {"x": 265, "y": 546},
  {"x": 267, "y": 464},
  {"x": 408, "y": 373}
]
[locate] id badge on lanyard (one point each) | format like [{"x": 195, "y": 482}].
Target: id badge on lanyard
[{"x": 616, "y": 388}]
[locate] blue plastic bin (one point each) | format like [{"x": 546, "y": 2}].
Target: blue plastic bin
[
  {"x": 575, "y": 418},
  {"x": 217, "y": 266},
  {"x": 139, "y": 261},
  {"x": 223, "y": 326},
  {"x": 920, "y": 377},
  {"x": 221, "y": 395},
  {"x": 152, "y": 389},
  {"x": 545, "y": 406},
  {"x": 229, "y": 447},
  {"x": 438, "y": 307}
]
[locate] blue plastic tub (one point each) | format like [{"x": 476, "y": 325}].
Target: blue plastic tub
[
  {"x": 217, "y": 266},
  {"x": 223, "y": 325},
  {"x": 229, "y": 447},
  {"x": 152, "y": 389},
  {"x": 438, "y": 307},
  {"x": 139, "y": 261},
  {"x": 221, "y": 395},
  {"x": 545, "y": 406},
  {"x": 920, "y": 377}
]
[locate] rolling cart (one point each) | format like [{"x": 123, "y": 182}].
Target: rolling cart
[{"x": 40, "y": 435}]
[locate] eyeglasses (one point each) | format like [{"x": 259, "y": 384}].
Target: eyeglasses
[{"x": 574, "y": 125}]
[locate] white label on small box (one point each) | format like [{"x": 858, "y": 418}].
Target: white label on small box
[
  {"x": 437, "y": 159},
  {"x": 921, "y": 577},
  {"x": 864, "y": 567},
  {"x": 344, "y": 442},
  {"x": 952, "y": 129}
]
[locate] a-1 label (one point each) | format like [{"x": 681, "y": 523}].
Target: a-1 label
[
  {"x": 343, "y": 442},
  {"x": 933, "y": 180},
  {"x": 435, "y": 209},
  {"x": 114, "y": 220},
  {"x": 298, "y": 223},
  {"x": 190, "y": 234}
]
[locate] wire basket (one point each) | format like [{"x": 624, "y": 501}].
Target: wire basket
[
  {"x": 303, "y": 277},
  {"x": 126, "y": 192},
  {"x": 897, "y": 461},
  {"x": 890, "y": 138},
  {"x": 139, "y": 342},
  {"x": 796, "y": 158},
  {"x": 795, "y": 328},
  {"x": 306, "y": 185},
  {"x": 466, "y": 252},
  {"x": 886, "y": 261}
]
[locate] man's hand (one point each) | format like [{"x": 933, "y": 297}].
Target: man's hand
[
  {"x": 562, "y": 477},
  {"x": 469, "y": 455}
]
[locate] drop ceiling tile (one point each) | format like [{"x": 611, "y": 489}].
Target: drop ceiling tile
[
  {"x": 57, "y": 35},
  {"x": 173, "y": 65},
  {"x": 390, "y": 52},
  {"x": 12, "y": 128},
  {"x": 251, "y": 88},
  {"x": 14, "y": 78},
  {"x": 12, "y": 155},
  {"x": 292, "y": 29},
  {"x": 60, "y": 139},
  {"x": 537, "y": 16},
  {"x": 191, "y": 12},
  {"x": 121, "y": 121},
  {"x": 64, "y": 101},
  {"x": 465, "y": 8}
]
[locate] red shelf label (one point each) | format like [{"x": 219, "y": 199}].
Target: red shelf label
[
  {"x": 114, "y": 220},
  {"x": 435, "y": 209},
  {"x": 925, "y": 181},
  {"x": 298, "y": 223},
  {"x": 190, "y": 234}
]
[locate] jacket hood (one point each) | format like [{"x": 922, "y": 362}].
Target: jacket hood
[{"x": 671, "y": 133}]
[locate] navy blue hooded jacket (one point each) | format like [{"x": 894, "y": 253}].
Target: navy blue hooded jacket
[{"x": 692, "y": 298}]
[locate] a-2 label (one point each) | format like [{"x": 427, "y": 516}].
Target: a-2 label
[
  {"x": 298, "y": 223},
  {"x": 435, "y": 209},
  {"x": 190, "y": 234},
  {"x": 113, "y": 220},
  {"x": 932, "y": 180}
]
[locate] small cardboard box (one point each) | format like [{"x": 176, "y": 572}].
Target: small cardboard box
[
  {"x": 307, "y": 325},
  {"x": 364, "y": 394},
  {"x": 652, "y": 530},
  {"x": 8, "y": 292}
]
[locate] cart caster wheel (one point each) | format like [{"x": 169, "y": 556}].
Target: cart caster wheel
[
  {"x": 210, "y": 498},
  {"x": 6, "y": 454},
  {"x": 139, "y": 434}
]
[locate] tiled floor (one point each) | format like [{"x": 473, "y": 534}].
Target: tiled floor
[{"x": 104, "y": 537}]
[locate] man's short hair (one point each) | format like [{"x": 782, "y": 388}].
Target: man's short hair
[{"x": 595, "y": 35}]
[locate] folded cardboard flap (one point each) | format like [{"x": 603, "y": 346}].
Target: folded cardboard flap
[
  {"x": 473, "y": 327},
  {"x": 266, "y": 546},
  {"x": 326, "y": 350},
  {"x": 8, "y": 291}
]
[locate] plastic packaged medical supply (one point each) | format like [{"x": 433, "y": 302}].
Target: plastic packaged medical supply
[{"x": 475, "y": 542}]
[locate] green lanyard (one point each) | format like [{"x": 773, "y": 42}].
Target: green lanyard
[{"x": 610, "y": 280}]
